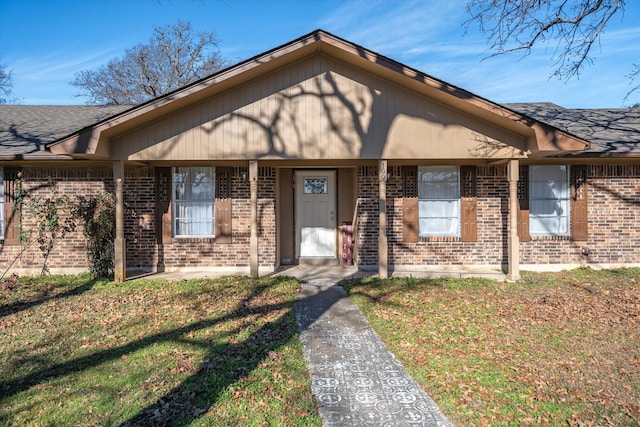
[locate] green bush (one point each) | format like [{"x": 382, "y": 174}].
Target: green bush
[{"x": 97, "y": 214}]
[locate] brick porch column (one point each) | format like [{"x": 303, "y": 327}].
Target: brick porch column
[
  {"x": 513, "y": 241},
  {"x": 119, "y": 245},
  {"x": 383, "y": 255},
  {"x": 253, "y": 239}
]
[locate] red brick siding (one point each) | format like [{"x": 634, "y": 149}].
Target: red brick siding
[
  {"x": 68, "y": 252},
  {"x": 266, "y": 217},
  {"x": 492, "y": 219},
  {"x": 367, "y": 216},
  {"x": 139, "y": 217},
  {"x": 205, "y": 253},
  {"x": 142, "y": 250},
  {"x": 614, "y": 223}
]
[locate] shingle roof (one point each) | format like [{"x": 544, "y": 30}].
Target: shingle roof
[
  {"x": 609, "y": 130},
  {"x": 25, "y": 129}
]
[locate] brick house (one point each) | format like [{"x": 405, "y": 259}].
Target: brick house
[{"x": 320, "y": 151}]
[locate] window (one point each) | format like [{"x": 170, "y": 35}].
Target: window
[
  {"x": 549, "y": 198},
  {"x": 1, "y": 205},
  {"x": 194, "y": 201},
  {"x": 315, "y": 186},
  {"x": 439, "y": 201}
]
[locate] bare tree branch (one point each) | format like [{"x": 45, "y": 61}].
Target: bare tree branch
[
  {"x": 632, "y": 76},
  {"x": 174, "y": 57},
  {"x": 6, "y": 84},
  {"x": 571, "y": 27}
]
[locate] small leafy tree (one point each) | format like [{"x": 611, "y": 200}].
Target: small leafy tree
[{"x": 54, "y": 220}]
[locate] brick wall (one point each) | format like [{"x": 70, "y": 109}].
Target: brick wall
[
  {"x": 613, "y": 209},
  {"x": 68, "y": 253},
  {"x": 614, "y": 224},
  {"x": 139, "y": 217},
  {"x": 367, "y": 216},
  {"x": 490, "y": 249},
  {"x": 143, "y": 252}
]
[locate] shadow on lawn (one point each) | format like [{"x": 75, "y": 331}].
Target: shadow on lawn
[
  {"x": 378, "y": 290},
  {"x": 18, "y": 306},
  {"x": 223, "y": 364}
]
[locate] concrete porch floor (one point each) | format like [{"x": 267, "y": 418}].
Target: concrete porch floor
[
  {"x": 324, "y": 274},
  {"x": 333, "y": 274}
]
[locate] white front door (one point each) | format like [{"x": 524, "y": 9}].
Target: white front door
[{"x": 315, "y": 214}]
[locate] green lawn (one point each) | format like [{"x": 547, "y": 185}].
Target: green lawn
[
  {"x": 553, "y": 349},
  {"x": 76, "y": 351}
]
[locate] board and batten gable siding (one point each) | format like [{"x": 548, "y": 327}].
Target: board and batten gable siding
[{"x": 318, "y": 108}]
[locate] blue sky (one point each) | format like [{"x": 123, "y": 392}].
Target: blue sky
[{"x": 46, "y": 41}]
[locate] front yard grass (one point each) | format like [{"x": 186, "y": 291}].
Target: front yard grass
[
  {"x": 552, "y": 349},
  {"x": 223, "y": 352}
]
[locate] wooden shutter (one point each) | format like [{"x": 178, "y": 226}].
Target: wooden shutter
[
  {"x": 11, "y": 215},
  {"x": 468, "y": 204},
  {"x": 410, "y": 221},
  {"x": 523, "y": 204},
  {"x": 223, "y": 205},
  {"x": 579, "y": 208},
  {"x": 163, "y": 205}
]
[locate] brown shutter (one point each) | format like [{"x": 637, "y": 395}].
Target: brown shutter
[
  {"x": 579, "y": 220},
  {"x": 410, "y": 232},
  {"x": 410, "y": 224},
  {"x": 468, "y": 204},
  {"x": 223, "y": 205},
  {"x": 163, "y": 205},
  {"x": 523, "y": 204},
  {"x": 11, "y": 215}
]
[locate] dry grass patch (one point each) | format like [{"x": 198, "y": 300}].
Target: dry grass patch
[{"x": 552, "y": 349}]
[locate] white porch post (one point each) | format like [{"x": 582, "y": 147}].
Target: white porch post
[
  {"x": 513, "y": 242},
  {"x": 253, "y": 240},
  {"x": 383, "y": 256},
  {"x": 119, "y": 245}
]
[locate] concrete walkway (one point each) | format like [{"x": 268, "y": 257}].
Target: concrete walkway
[{"x": 355, "y": 379}]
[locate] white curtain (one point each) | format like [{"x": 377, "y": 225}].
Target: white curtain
[
  {"x": 194, "y": 198},
  {"x": 439, "y": 201},
  {"x": 549, "y": 200}
]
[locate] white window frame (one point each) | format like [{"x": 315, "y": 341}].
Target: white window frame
[
  {"x": 185, "y": 206},
  {"x": 428, "y": 202},
  {"x": 549, "y": 200},
  {"x": 2, "y": 219}
]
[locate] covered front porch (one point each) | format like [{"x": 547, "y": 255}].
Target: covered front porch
[{"x": 360, "y": 200}]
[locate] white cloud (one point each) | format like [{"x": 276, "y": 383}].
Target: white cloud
[{"x": 393, "y": 27}]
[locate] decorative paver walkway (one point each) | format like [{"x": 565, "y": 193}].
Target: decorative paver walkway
[{"x": 355, "y": 379}]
